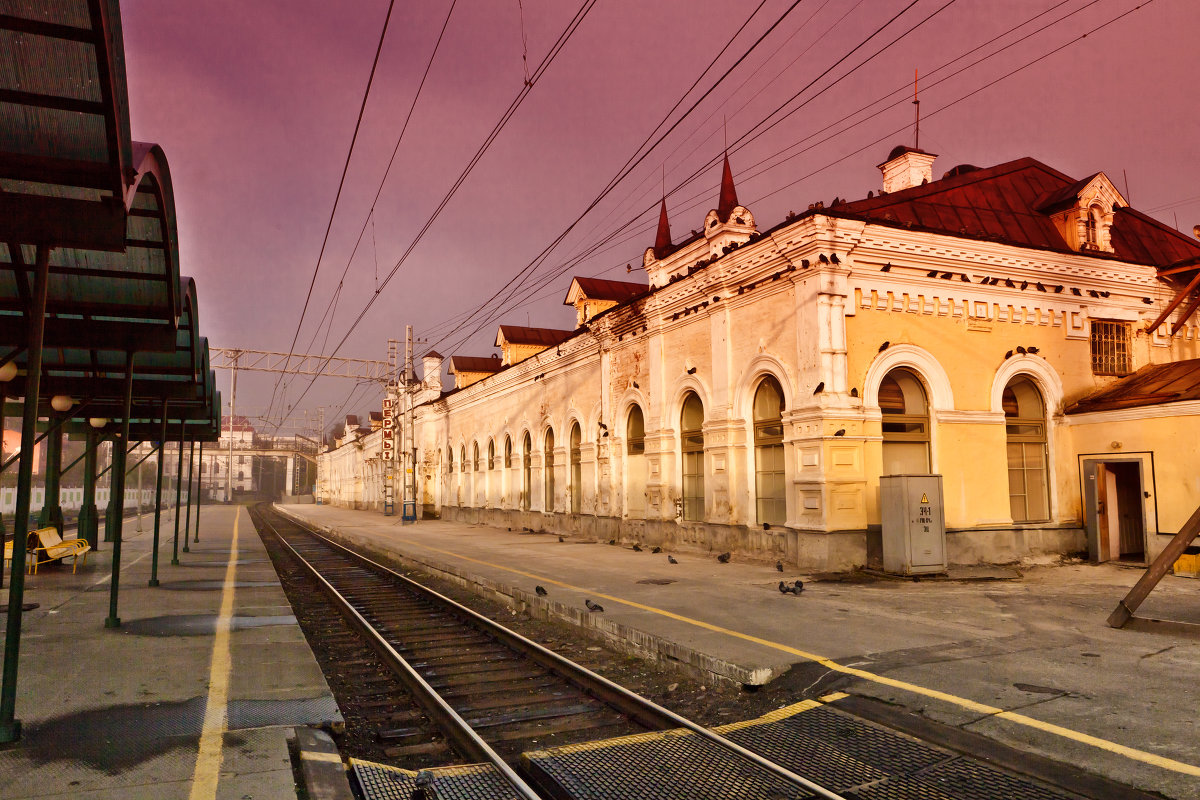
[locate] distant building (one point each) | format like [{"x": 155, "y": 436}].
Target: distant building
[{"x": 1024, "y": 334}]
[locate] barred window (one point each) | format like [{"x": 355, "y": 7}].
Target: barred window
[{"x": 1110, "y": 348}]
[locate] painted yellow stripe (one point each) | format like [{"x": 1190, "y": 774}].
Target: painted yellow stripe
[
  {"x": 208, "y": 762},
  {"x": 962, "y": 702}
]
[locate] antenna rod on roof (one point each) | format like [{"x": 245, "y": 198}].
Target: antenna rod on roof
[{"x": 917, "y": 103}]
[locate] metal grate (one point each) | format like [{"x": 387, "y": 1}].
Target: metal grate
[
  {"x": 959, "y": 779},
  {"x": 1110, "y": 348},
  {"x": 471, "y": 782}
]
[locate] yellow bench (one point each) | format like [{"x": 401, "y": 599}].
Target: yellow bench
[{"x": 52, "y": 547}]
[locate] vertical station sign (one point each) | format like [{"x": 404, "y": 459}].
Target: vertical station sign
[{"x": 389, "y": 453}]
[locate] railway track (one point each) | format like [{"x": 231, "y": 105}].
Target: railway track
[{"x": 446, "y": 685}]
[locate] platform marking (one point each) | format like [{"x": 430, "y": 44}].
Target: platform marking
[
  {"x": 208, "y": 761},
  {"x": 1132, "y": 753}
]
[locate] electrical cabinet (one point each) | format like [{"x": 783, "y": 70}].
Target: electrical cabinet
[{"x": 914, "y": 524}]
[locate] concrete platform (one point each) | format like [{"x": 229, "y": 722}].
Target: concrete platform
[
  {"x": 1026, "y": 661},
  {"x": 195, "y": 695}
]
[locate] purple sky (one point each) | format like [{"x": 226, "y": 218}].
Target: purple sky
[{"x": 255, "y": 104}]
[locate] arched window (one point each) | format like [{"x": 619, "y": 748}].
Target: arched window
[
  {"x": 576, "y": 470},
  {"x": 1091, "y": 227},
  {"x": 635, "y": 432},
  {"x": 449, "y": 459},
  {"x": 548, "y": 470},
  {"x": 769, "y": 488},
  {"x": 635, "y": 463},
  {"x": 508, "y": 462},
  {"x": 491, "y": 454},
  {"x": 462, "y": 458},
  {"x": 691, "y": 419},
  {"x": 1025, "y": 426},
  {"x": 905, "y": 423},
  {"x": 475, "y": 455},
  {"x": 527, "y": 471}
]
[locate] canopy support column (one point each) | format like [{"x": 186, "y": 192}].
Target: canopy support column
[
  {"x": 10, "y": 726},
  {"x": 199, "y": 493},
  {"x": 178, "y": 498},
  {"x": 187, "y": 525},
  {"x": 52, "y": 514},
  {"x": 118, "y": 492},
  {"x": 89, "y": 522},
  {"x": 162, "y": 440}
]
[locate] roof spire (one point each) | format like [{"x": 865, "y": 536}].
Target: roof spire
[
  {"x": 662, "y": 242},
  {"x": 728, "y": 200}
]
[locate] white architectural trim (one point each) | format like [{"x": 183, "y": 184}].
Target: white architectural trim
[
  {"x": 1039, "y": 370},
  {"x": 1183, "y": 408},
  {"x": 921, "y": 361},
  {"x": 951, "y": 416},
  {"x": 743, "y": 400}
]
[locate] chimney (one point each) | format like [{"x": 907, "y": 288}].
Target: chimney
[{"x": 905, "y": 168}]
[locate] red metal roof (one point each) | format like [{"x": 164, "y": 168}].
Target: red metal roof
[
  {"x": 474, "y": 364},
  {"x": 1011, "y": 203},
  {"x": 547, "y": 337},
  {"x": 1149, "y": 386},
  {"x": 601, "y": 289}
]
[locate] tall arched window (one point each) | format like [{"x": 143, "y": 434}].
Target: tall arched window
[
  {"x": 576, "y": 470},
  {"x": 475, "y": 455},
  {"x": 691, "y": 420},
  {"x": 635, "y": 463},
  {"x": 449, "y": 459},
  {"x": 769, "y": 488},
  {"x": 491, "y": 454},
  {"x": 1091, "y": 227},
  {"x": 508, "y": 462},
  {"x": 527, "y": 471},
  {"x": 1025, "y": 426},
  {"x": 462, "y": 459},
  {"x": 548, "y": 470},
  {"x": 905, "y": 423}
]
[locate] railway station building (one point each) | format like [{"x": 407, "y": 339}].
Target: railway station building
[{"x": 1024, "y": 334}]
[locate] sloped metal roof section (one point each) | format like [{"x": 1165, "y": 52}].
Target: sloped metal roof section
[
  {"x": 1149, "y": 386},
  {"x": 66, "y": 155}
]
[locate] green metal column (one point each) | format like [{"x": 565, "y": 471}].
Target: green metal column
[
  {"x": 162, "y": 441},
  {"x": 52, "y": 507},
  {"x": 10, "y": 726},
  {"x": 118, "y": 491},
  {"x": 199, "y": 492},
  {"x": 187, "y": 525},
  {"x": 178, "y": 498},
  {"x": 89, "y": 523},
  {"x": 112, "y": 497}
]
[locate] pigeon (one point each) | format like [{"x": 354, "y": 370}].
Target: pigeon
[
  {"x": 1040, "y": 288},
  {"x": 933, "y": 273},
  {"x": 840, "y": 432},
  {"x": 656, "y": 549},
  {"x": 783, "y": 588},
  {"x": 884, "y": 346},
  {"x": 886, "y": 267},
  {"x": 964, "y": 278},
  {"x": 820, "y": 387},
  {"x": 592, "y": 606},
  {"x": 1008, "y": 355},
  {"x": 671, "y": 560},
  {"x": 612, "y": 541},
  {"x": 779, "y": 566},
  {"x": 854, "y": 392},
  {"x": 1031, "y": 350},
  {"x": 636, "y": 549},
  {"x": 1021, "y": 350},
  {"x": 423, "y": 788},
  {"x": 560, "y": 538},
  {"x": 1076, "y": 292},
  {"x": 798, "y": 587},
  {"x": 724, "y": 557},
  {"x": 541, "y": 591}
]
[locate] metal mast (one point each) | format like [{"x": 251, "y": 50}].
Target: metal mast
[{"x": 410, "y": 446}]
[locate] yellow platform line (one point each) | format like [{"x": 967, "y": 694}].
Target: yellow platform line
[
  {"x": 212, "y": 736},
  {"x": 962, "y": 702}
]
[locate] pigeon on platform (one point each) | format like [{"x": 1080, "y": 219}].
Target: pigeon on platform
[
  {"x": 724, "y": 558},
  {"x": 592, "y": 606},
  {"x": 636, "y": 549},
  {"x": 783, "y": 588},
  {"x": 779, "y": 566},
  {"x": 612, "y": 541},
  {"x": 424, "y": 788},
  {"x": 560, "y": 538},
  {"x": 541, "y": 591},
  {"x": 798, "y": 587},
  {"x": 656, "y": 549},
  {"x": 671, "y": 560}
]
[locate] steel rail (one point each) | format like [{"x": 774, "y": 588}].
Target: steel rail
[
  {"x": 638, "y": 707},
  {"x": 468, "y": 742}
]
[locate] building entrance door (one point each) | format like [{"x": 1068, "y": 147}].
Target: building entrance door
[{"x": 1115, "y": 510}]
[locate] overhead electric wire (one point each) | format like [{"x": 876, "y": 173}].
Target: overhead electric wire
[
  {"x": 1025, "y": 37},
  {"x": 333, "y": 211},
  {"x": 630, "y": 166},
  {"x": 526, "y": 88}
]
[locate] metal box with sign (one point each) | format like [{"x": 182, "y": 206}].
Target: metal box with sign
[{"x": 914, "y": 524}]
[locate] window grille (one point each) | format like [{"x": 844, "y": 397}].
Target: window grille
[{"x": 1110, "y": 348}]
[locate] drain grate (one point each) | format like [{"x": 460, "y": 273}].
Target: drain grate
[
  {"x": 657, "y": 581},
  {"x": 471, "y": 782}
]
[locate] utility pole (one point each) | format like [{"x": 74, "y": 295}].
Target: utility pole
[
  {"x": 391, "y": 413},
  {"x": 232, "y": 401},
  {"x": 410, "y": 448}
]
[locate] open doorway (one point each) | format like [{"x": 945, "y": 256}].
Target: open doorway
[{"x": 1115, "y": 508}]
